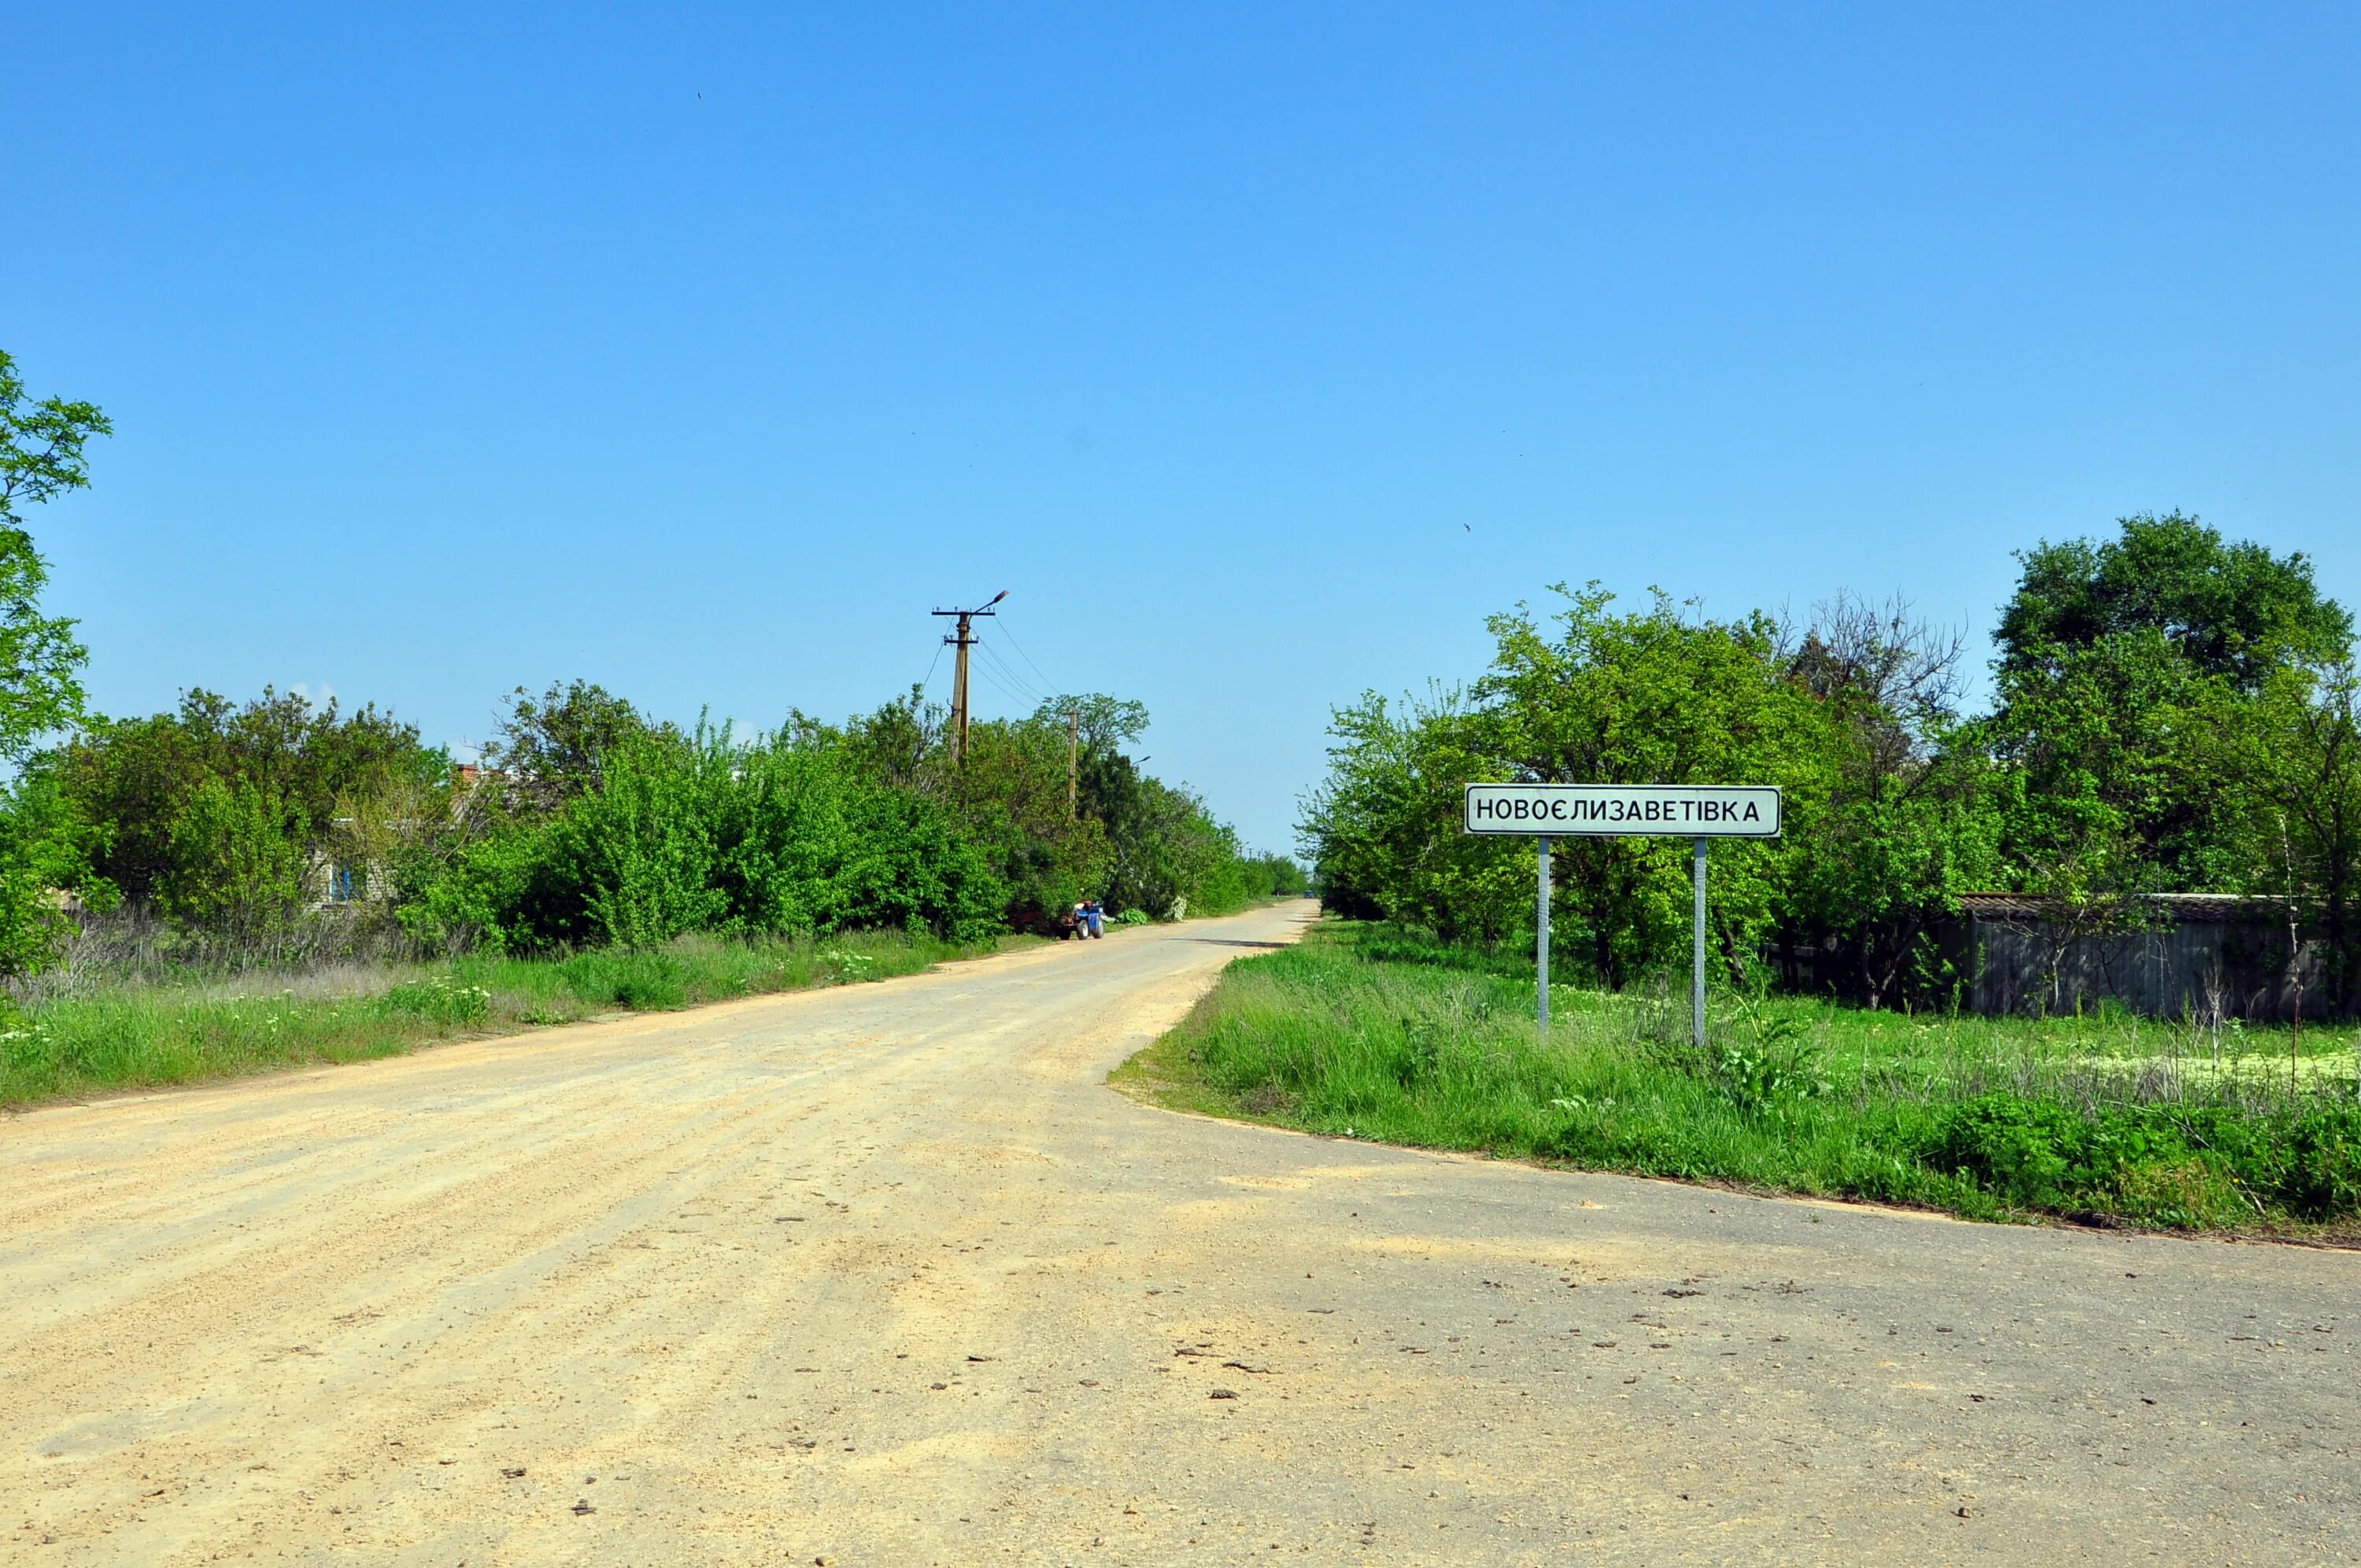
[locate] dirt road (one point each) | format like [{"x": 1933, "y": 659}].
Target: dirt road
[{"x": 886, "y": 1276}]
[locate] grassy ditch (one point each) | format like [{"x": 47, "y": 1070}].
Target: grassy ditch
[
  {"x": 1364, "y": 1032},
  {"x": 103, "y": 1037}
]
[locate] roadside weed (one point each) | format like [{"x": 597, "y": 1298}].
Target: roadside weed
[
  {"x": 1394, "y": 1037},
  {"x": 158, "y": 1033}
]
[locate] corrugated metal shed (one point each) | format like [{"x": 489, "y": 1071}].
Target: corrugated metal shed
[{"x": 2197, "y": 955}]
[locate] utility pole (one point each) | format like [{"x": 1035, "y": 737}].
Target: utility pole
[
  {"x": 1073, "y": 757},
  {"x": 963, "y": 640}
]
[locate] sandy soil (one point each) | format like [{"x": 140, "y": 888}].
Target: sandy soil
[{"x": 887, "y": 1276}]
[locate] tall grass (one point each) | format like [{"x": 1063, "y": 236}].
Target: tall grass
[
  {"x": 1366, "y": 1032},
  {"x": 154, "y": 1026}
]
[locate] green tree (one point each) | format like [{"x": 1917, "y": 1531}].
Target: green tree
[
  {"x": 43, "y": 849},
  {"x": 2289, "y": 760},
  {"x": 807, "y": 842},
  {"x": 1382, "y": 829},
  {"x": 2093, "y": 804},
  {"x": 1656, "y": 697},
  {"x": 553, "y": 747},
  {"x": 902, "y": 744},
  {"x": 707, "y": 833},
  {"x": 640, "y": 846},
  {"x": 2232, "y": 611},
  {"x": 1009, "y": 799},
  {"x": 1910, "y": 822},
  {"x": 239, "y": 862},
  {"x": 1169, "y": 852},
  {"x": 1102, "y": 725},
  {"x": 323, "y": 773},
  {"x": 2107, "y": 652},
  {"x": 41, "y": 457}
]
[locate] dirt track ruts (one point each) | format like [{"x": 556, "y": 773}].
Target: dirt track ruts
[{"x": 886, "y": 1275}]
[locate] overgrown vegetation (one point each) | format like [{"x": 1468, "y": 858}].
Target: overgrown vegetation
[
  {"x": 280, "y": 829},
  {"x": 1373, "y": 1032},
  {"x": 2173, "y": 712}
]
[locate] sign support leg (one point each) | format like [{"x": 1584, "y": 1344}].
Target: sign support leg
[
  {"x": 1541, "y": 943},
  {"x": 1696, "y": 975}
]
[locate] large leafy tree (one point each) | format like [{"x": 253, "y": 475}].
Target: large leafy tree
[
  {"x": 2107, "y": 651},
  {"x": 1162, "y": 846},
  {"x": 41, "y": 458},
  {"x": 1167, "y": 849},
  {"x": 555, "y": 747},
  {"x": 42, "y": 446},
  {"x": 1887, "y": 810},
  {"x": 1009, "y": 799},
  {"x": 1101, "y": 725},
  {"x": 2230, "y": 610},
  {"x": 1659, "y": 697},
  {"x": 2176, "y": 711}
]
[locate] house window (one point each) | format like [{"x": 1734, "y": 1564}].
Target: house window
[{"x": 345, "y": 884}]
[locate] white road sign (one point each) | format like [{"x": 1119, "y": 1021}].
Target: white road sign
[{"x": 1671, "y": 811}]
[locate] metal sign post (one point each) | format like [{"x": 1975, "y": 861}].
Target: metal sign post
[
  {"x": 1696, "y": 812},
  {"x": 1541, "y": 941},
  {"x": 1696, "y": 968}
]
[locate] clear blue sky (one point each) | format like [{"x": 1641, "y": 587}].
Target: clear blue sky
[{"x": 1259, "y": 352}]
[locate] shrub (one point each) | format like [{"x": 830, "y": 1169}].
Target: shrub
[
  {"x": 640, "y": 851},
  {"x": 238, "y": 854},
  {"x": 695, "y": 834},
  {"x": 2323, "y": 1164},
  {"x": 2163, "y": 1163}
]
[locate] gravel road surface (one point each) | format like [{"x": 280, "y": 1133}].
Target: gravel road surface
[{"x": 887, "y": 1276}]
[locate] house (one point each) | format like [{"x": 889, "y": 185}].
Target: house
[
  {"x": 333, "y": 878},
  {"x": 333, "y": 882}
]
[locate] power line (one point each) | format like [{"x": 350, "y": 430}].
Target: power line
[
  {"x": 997, "y": 672},
  {"x": 1027, "y": 657},
  {"x": 1010, "y": 672},
  {"x": 1011, "y": 692}
]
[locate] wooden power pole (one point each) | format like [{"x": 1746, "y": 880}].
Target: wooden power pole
[{"x": 963, "y": 639}]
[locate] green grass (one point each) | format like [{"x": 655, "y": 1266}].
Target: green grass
[
  {"x": 1369, "y": 1033},
  {"x": 178, "y": 1032}
]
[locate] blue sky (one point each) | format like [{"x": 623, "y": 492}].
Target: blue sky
[{"x": 1258, "y": 352}]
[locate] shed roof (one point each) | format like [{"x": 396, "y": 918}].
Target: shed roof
[{"x": 2183, "y": 908}]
